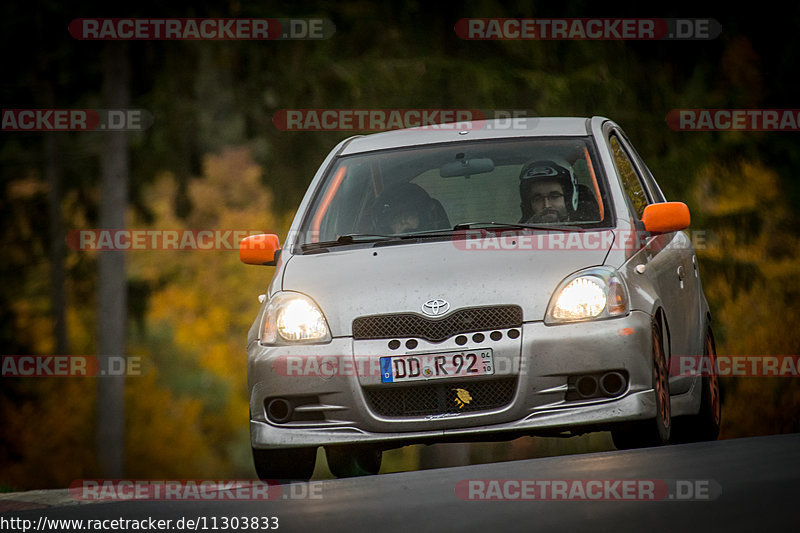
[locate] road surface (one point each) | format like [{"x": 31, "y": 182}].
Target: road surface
[{"x": 746, "y": 484}]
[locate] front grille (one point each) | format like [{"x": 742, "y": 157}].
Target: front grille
[
  {"x": 441, "y": 398},
  {"x": 465, "y": 320}
]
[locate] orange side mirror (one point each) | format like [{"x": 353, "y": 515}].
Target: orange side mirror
[
  {"x": 259, "y": 249},
  {"x": 666, "y": 217}
]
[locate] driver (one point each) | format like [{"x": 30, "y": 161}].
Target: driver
[{"x": 548, "y": 193}]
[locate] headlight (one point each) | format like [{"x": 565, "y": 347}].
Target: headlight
[
  {"x": 291, "y": 317},
  {"x": 591, "y": 294}
]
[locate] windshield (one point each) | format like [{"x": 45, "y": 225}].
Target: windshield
[{"x": 537, "y": 182}]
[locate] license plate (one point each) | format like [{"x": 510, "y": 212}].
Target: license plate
[{"x": 417, "y": 367}]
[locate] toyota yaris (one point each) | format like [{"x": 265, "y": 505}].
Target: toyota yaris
[{"x": 476, "y": 282}]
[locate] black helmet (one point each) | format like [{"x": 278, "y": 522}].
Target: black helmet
[{"x": 545, "y": 170}]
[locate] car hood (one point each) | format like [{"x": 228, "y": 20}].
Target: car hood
[{"x": 399, "y": 278}]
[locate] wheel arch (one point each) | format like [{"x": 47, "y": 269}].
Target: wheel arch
[{"x": 660, "y": 319}]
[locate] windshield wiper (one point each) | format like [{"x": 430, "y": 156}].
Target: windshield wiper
[
  {"x": 365, "y": 238},
  {"x": 473, "y": 225},
  {"x": 377, "y": 238},
  {"x": 350, "y": 238}
]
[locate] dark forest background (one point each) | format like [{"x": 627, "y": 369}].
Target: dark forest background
[{"x": 214, "y": 159}]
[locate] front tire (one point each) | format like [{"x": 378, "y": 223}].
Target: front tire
[
  {"x": 353, "y": 461},
  {"x": 655, "y": 431},
  {"x": 290, "y": 464},
  {"x": 704, "y": 426}
]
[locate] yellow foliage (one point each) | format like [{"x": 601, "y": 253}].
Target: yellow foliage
[
  {"x": 52, "y": 429},
  {"x": 742, "y": 187},
  {"x": 186, "y": 417},
  {"x": 754, "y": 264},
  {"x": 164, "y": 435},
  {"x": 208, "y": 303}
]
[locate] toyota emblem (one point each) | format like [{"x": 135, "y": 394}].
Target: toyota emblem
[{"x": 435, "y": 307}]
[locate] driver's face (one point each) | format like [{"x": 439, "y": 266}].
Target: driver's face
[{"x": 547, "y": 201}]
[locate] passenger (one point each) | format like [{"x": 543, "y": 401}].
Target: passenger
[{"x": 403, "y": 208}]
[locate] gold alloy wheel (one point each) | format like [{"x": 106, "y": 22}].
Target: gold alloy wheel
[
  {"x": 713, "y": 380},
  {"x": 661, "y": 379}
]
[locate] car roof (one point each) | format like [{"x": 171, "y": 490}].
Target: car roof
[{"x": 475, "y": 130}]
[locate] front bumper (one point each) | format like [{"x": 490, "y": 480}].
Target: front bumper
[{"x": 542, "y": 362}]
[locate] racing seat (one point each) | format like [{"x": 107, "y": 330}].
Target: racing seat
[
  {"x": 588, "y": 210},
  {"x": 439, "y": 217}
]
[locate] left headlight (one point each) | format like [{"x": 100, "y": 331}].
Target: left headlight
[
  {"x": 588, "y": 295},
  {"x": 293, "y": 318}
]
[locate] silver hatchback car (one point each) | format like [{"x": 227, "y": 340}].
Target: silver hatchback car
[{"x": 477, "y": 282}]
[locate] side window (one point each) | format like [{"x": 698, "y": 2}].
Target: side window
[
  {"x": 649, "y": 180},
  {"x": 630, "y": 180}
]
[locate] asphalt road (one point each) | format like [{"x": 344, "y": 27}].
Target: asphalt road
[{"x": 737, "y": 485}]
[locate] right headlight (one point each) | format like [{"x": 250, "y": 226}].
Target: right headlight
[
  {"x": 293, "y": 318},
  {"x": 588, "y": 295}
]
